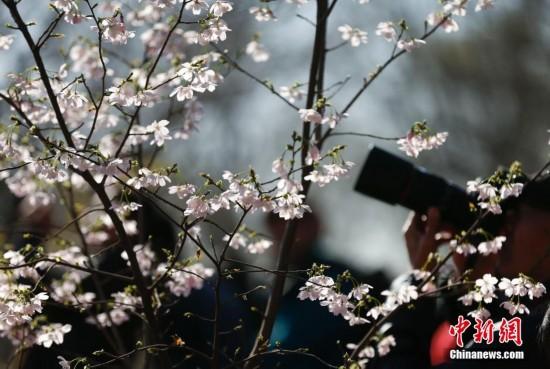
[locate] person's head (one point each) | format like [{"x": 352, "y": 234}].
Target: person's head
[{"x": 527, "y": 231}]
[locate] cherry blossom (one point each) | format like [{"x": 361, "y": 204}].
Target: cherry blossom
[
  {"x": 145, "y": 257},
  {"x": 148, "y": 178},
  {"x": 162, "y": 3},
  {"x": 86, "y": 60},
  {"x": 328, "y": 173},
  {"x": 316, "y": 288},
  {"x": 310, "y": 115},
  {"x": 259, "y": 246},
  {"x": 387, "y": 31},
  {"x": 514, "y": 308},
  {"x": 291, "y": 206},
  {"x": 536, "y": 290},
  {"x": 254, "y": 246},
  {"x": 122, "y": 95},
  {"x": 480, "y": 313},
  {"x": 355, "y": 36},
  {"x": 6, "y": 41},
  {"x": 220, "y": 7},
  {"x": 262, "y": 14},
  {"x": 257, "y": 51},
  {"x": 146, "y": 98},
  {"x": 418, "y": 139},
  {"x": 366, "y": 353},
  {"x": 160, "y": 132},
  {"x": 464, "y": 248},
  {"x": 216, "y": 31},
  {"x": 486, "y": 288},
  {"x": 384, "y": 346},
  {"x": 197, "y": 206},
  {"x": 47, "y": 335},
  {"x": 510, "y": 190},
  {"x": 196, "y": 6},
  {"x": 183, "y": 281},
  {"x": 456, "y": 7},
  {"x": 484, "y": 4},
  {"x": 337, "y": 304},
  {"x": 447, "y": 23},
  {"x": 360, "y": 291},
  {"x": 78, "y": 149},
  {"x": 292, "y": 93},
  {"x": 63, "y": 363},
  {"x": 183, "y": 93},
  {"x": 114, "y": 30},
  {"x": 489, "y": 196},
  {"x": 492, "y": 246},
  {"x": 182, "y": 191}
]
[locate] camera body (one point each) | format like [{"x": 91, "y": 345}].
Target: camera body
[{"x": 394, "y": 180}]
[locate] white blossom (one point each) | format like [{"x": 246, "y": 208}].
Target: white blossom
[
  {"x": 510, "y": 189},
  {"x": 515, "y": 308},
  {"x": 484, "y": 5},
  {"x": 197, "y": 206},
  {"x": 448, "y": 24},
  {"x": 292, "y": 93},
  {"x": 6, "y": 41},
  {"x": 259, "y": 246},
  {"x": 114, "y": 30},
  {"x": 196, "y": 6},
  {"x": 414, "y": 143},
  {"x": 355, "y": 36},
  {"x": 387, "y": 31},
  {"x": 147, "y": 178},
  {"x": 262, "y": 14},
  {"x": 385, "y": 345},
  {"x": 337, "y": 304},
  {"x": 220, "y": 7},
  {"x": 329, "y": 173},
  {"x": 145, "y": 257},
  {"x": 480, "y": 313},
  {"x": 360, "y": 291},
  {"x": 485, "y": 288},
  {"x": 464, "y": 248},
  {"x": 310, "y": 115},
  {"x": 63, "y": 363},
  {"x": 184, "y": 280},
  {"x": 316, "y": 288},
  {"x": 411, "y": 44},
  {"x": 182, "y": 93},
  {"x": 49, "y": 334},
  {"x": 456, "y": 7},
  {"x": 182, "y": 191},
  {"x": 257, "y": 51},
  {"x": 160, "y": 132},
  {"x": 491, "y": 246}
]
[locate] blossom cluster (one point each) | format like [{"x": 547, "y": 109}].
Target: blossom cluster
[
  {"x": 354, "y": 306},
  {"x": 499, "y": 187},
  {"x": 248, "y": 241},
  {"x": 83, "y": 137},
  {"x": 21, "y": 306},
  {"x": 488, "y": 247},
  {"x": 419, "y": 139},
  {"x": 486, "y": 288}
]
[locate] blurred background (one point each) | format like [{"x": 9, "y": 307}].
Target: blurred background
[{"x": 487, "y": 85}]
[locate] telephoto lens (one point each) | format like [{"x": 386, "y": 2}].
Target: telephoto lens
[{"x": 394, "y": 180}]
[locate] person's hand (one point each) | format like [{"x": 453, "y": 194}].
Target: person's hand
[{"x": 423, "y": 235}]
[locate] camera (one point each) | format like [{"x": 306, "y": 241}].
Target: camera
[{"x": 394, "y": 180}]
